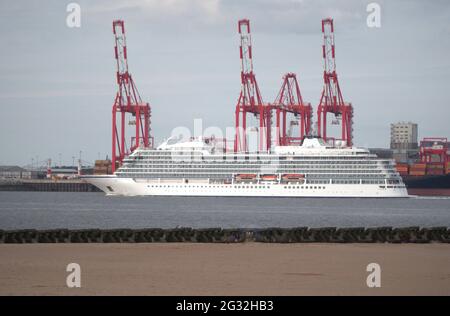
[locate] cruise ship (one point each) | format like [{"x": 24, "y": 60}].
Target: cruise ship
[{"x": 198, "y": 167}]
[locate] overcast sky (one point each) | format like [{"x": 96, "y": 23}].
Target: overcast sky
[{"x": 57, "y": 84}]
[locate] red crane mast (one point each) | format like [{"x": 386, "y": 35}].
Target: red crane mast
[
  {"x": 250, "y": 100},
  {"x": 331, "y": 100},
  {"x": 289, "y": 100},
  {"x": 127, "y": 103}
]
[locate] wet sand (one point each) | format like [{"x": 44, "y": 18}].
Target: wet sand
[{"x": 225, "y": 269}]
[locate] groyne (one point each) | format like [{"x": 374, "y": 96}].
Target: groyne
[{"x": 219, "y": 235}]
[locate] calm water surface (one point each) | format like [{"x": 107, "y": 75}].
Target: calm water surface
[{"x": 42, "y": 210}]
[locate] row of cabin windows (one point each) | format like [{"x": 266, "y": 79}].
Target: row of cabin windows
[
  {"x": 237, "y": 163},
  {"x": 236, "y": 186},
  {"x": 246, "y": 158}
]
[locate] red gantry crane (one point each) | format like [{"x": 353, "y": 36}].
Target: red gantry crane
[
  {"x": 434, "y": 147},
  {"x": 331, "y": 100},
  {"x": 127, "y": 103},
  {"x": 289, "y": 100},
  {"x": 250, "y": 100}
]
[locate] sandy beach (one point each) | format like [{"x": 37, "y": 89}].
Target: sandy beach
[{"x": 225, "y": 269}]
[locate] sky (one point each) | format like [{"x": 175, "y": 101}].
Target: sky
[{"x": 57, "y": 84}]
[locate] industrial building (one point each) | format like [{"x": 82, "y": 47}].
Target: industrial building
[
  {"x": 404, "y": 141},
  {"x": 404, "y": 135},
  {"x": 16, "y": 172}
]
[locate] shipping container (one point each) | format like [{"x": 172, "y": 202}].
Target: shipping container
[
  {"x": 417, "y": 173},
  {"x": 435, "y": 166},
  {"x": 435, "y": 172},
  {"x": 418, "y": 169},
  {"x": 100, "y": 170},
  {"x": 102, "y": 163}
]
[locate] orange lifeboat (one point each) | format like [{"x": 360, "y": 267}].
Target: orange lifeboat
[
  {"x": 292, "y": 176},
  {"x": 246, "y": 176},
  {"x": 269, "y": 177}
]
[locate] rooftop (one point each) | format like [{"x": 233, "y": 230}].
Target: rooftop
[{"x": 11, "y": 169}]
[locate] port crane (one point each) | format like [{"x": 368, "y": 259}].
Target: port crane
[
  {"x": 250, "y": 100},
  {"x": 127, "y": 104},
  {"x": 331, "y": 100},
  {"x": 289, "y": 100}
]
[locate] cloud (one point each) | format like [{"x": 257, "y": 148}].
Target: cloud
[
  {"x": 292, "y": 16},
  {"x": 174, "y": 8}
]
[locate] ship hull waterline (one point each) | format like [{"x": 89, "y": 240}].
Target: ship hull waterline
[{"x": 119, "y": 186}]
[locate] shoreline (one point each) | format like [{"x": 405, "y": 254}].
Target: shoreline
[{"x": 225, "y": 269}]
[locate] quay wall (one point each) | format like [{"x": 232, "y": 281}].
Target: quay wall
[{"x": 47, "y": 185}]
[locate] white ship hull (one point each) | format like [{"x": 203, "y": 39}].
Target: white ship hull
[{"x": 113, "y": 185}]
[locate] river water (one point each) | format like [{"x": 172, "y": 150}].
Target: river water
[{"x": 46, "y": 210}]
